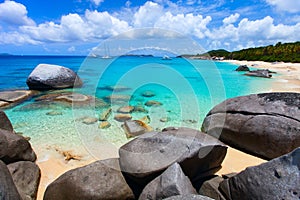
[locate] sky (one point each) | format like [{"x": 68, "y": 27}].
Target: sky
[{"x": 65, "y": 27}]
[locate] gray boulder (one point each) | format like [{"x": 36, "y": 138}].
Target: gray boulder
[
  {"x": 210, "y": 188},
  {"x": 188, "y": 197},
  {"x": 8, "y": 190},
  {"x": 170, "y": 183},
  {"x": 266, "y": 125},
  {"x": 99, "y": 180},
  {"x": 26, "y": 176},
  {"x": 5, "y": 122},
  {"x": 15, "y": 148},
  {"x": 148, "y": 155},
  {"x": 259, "y": 73},
  {"x": 242, "y": 68},
  {"x": 46, "y": 77},
  {"x": 276, "y": 179},
  {"x": 13, "y": 97}
]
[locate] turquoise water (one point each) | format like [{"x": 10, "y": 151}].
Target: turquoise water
[{"x": 187, "y": 89}]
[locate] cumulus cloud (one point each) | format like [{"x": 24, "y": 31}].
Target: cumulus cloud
[
  {"x": 292, "y": 6},
  {"x": 13, "y": 13},
  {"x": 231, "y": 19},
  {"x": 97, "y": 2}
]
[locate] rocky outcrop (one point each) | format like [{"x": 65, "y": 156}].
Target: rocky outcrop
[
  {"x": 170, "y": 183},
  {"x": 148, "y": 155},
  {"x": 14, "y": 97},
  {"x": 5, "y": 123},
  {"x": 15, "y": 148},
  {"x": 259, "y": 73},
  {"x": 242, "y": 68},
  {"x": 266, "y": 125},
  {"x": 135, "y": 127},
  {"x": 8, "y": 190},
  {"x": 46, "y": 77},
  {"x": 276, "y": 179},
  {"x": 26, "y": 176},
  {"x": 99, "y": 180}
]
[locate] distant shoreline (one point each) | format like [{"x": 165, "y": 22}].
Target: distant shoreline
[{"x": 287, "y": 77}]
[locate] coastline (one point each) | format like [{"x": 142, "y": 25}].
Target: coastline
[{"x": 286, "y": 79}]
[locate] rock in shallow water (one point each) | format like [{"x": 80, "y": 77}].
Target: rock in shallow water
[
  {"x": 266, "y": 125},
  {"x": 5, "y": 122},
  {"x": 46, "y": 77},
  {"x": 99, "y": 180},
  {"x": 13, "y": 97},
  {"x": 145, "y": 157},
  {"x": 276, "y": 179}
]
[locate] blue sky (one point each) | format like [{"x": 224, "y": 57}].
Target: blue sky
[{"x": 76, "y": 27}]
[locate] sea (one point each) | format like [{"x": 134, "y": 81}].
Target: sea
[{"x": 187, "y": 89}]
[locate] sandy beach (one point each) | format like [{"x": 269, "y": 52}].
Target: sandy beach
[{"x": 287, "y": 77}]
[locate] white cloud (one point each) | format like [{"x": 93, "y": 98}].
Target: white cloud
[
  {"x": 71, "y": 49},
  {"x": 291, "y": 6},
  {"x": 147, "y": 15},
  {"x": 97, "y": 2},
  {"x": 231, "y": 19},
  {"x": 13, "y": 13}
]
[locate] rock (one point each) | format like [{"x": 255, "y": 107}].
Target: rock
[
  {"x": 99, "y": 180},
  {"x": 26, "y": 176},
  {"x": 104, "y": 125},
  {"x": 104, "y": 115},
  {"x": 54, "y": 113},
  {"x": 122, "y": 117},
  {"x": 276, "y": 179},
  {"x": 8, "y": 190},
  {"x": 125, "y": 109},
  {"x": 116, "y": 88},
  {"x": 13, "y": 97},
  {"x": 188, "y": 197},
  {"x": 153, "y": 103},
  {"x": 265, "y": 125},
  {"x": 148, "y": 155},
  {"x": 15, "y": 148},
  {"x": 117, "y": 98},
  {"x": 170, "y": 183},
  {"x": 259, "y": 73},
  {"x": 242, "y": 68},
  {"x": 5, "y": 122},
  {"x": 89, "y": 120},
  {"x": 134, "y": 128},
  {"x": 146, "y": 119},
  {"x": 140, "y": 108},
  {"x": 148, "y": 93},
  {"x": 73, "y": 98},
  {"x": 210, "y": 188},
  {"x": 47, "y": 77}
]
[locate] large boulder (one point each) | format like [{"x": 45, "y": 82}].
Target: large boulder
[
  {"x": 170, "y": 183},
  {"x": 8, "y": 190},
  {"x": 15, "y": 148},
  {"x": 242, "y": 68},
  {"x": 5, "y": 122},
  {"x": 276, "y": 179},
  {"x": 259, "y": 73},
  {"x": 26, "y": 176},
  {"x": 147, "y": 156},
  {"x": 99, "y": 180},
  {"x": 266, "y": 125},
  {"x": 46, "y": 76}
]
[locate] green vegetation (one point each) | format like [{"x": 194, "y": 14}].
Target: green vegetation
[{"x": 286, "y": 52}]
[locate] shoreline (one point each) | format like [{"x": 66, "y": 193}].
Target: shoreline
[{"x": 286, "y": 79}]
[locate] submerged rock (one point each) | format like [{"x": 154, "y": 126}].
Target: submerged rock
[
  {"x": 5, "y": 123},
  {"x": 116, "y": 88},
  {"x": 170, "y": 183},
  {"x": 54, "y": 113},
  {"x": 145, "y": 157},
  {"x": 89, "y": 120},
  {"x": 26, "y": 176},
  {"x": 104, "y": 125},
  {"x": 8, "y": 190},
  {"x": 99, "y": 180},
  {"x": 135, "y": 127},
  {"x": 104, "y": 115},
  {"x": 47, "y": 77},
  {"x": 148, "y": 93},
  {"x": 13, "y": 97},
  {"x": 266, "y": 125},
  {"x": 122, "y": 117},
  {"x": 117, "y": 98},
  {"x": 153, "y": 103},
  {"x": 125, "y": 109},
  {"x": 15, "y": 148},
  {"x": 276, "y": 179}
]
